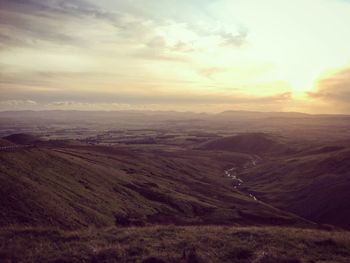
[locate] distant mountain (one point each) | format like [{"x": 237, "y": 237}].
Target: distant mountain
[
  {"x": 92, "y": 115},
  {"x": 258, "y": 114}
]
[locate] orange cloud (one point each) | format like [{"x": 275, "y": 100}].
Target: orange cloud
[{"x": 334, "y": 90}]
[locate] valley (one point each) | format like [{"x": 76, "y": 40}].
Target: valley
[{"x": 194, "y": 179}]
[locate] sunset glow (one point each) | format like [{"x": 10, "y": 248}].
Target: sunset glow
[{"x": 175, "y": 55}]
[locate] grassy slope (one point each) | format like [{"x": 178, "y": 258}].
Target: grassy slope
[
  {"x": 251, "y": 143},
  {"x": 22, "y": 138},
  {"x": 81, "y": 186},
  {"x": 315, "y": 186},
  {"x": 5, "y": 143},
  {"x": 175, "y": 244}
]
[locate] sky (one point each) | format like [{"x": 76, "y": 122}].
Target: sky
[{"x": 183, "y": 55}]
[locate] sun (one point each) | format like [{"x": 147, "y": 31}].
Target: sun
[
  {"x": 300, "y": 81},
  {"x": 300, "y": 85}
]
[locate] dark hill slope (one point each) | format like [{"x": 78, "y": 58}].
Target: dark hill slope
[
  {"x": 251, "y": 143},
  {"x": 4, "y": 143},
  {"x": 313, "y": 186},
  {"x": 22, "y": 138},
  {"x": 101, "y": 186}
]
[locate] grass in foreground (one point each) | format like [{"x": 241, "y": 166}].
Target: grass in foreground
[{"x": 175, "y": 244}]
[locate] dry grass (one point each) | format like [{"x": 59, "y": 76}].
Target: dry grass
[{"x": 174, "y": 244}]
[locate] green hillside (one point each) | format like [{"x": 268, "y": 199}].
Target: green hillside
[{"x": 102, "y": 186}]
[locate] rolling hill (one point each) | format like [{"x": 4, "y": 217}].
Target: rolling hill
[
  {"x": 79, "y": 186},
  {"x": 22, "y": 138},
  {"x": 211, "y": 200},
  {"x": 251, "y": 143},
  {"x": 313, "y": 185},
  {"x": 4, "y": 143}
]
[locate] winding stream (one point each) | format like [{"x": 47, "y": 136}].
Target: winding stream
[{"x": 233, "y": 173}]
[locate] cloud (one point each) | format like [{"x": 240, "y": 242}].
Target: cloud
[
  {"x": 87, "y": 52},
  {"x": 57, "y": 24},
  {"x": 21, "y": 24},
  {"x": 29, "y": 22},
  {"x": 334, "y": 90},
  {"x": 17, "y": 104},
  {"x": 60, "y": 7},
  {"x": 211, "y": 71},
  {"x": 192, "y": 102},
  {"x": 234, "y": 40},
  {"x": 22, "y": 20},
  {"x": 30, "y": 79},
  {"x": 161, "y": 99},
  {"x": 91, "y": 106}
]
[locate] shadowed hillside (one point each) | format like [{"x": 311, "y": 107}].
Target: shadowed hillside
[
  {"x": 252, "y": 143},
  {"x": 4, "y": 143},
  {"x": 22, "y": 139},
  {"x": 103, "y": 186},
  {"x": 313, "y": 185},
  {"x": 177, "y": 192}
]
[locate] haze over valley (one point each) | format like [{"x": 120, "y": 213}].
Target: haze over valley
[
  {"x": 171, "y": 171},
  {"x": 187, "y": 131}
]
